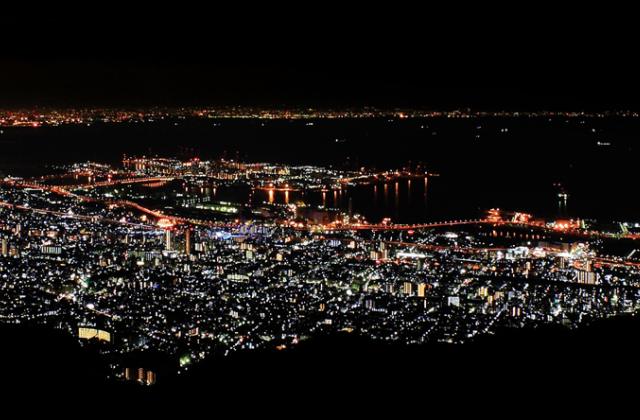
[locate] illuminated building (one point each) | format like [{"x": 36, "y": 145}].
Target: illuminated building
[
  {"x": 51, "y": 250},
  {"x": 187, "y": 241},
  {"x": 167, "y": 243},
  {"x": 151, "y": 378},
  {"x": 370, "y": 304},
  {"x": 407, "y": 288},
  {"x": 88, "y": 333},
  {"x": 561, "y": 262},
  {"x": 586, "y": 275},
  {"x": 201, "y": 247},
  {"x": 588, "y": 265},
  {"x": 422, "y": 288},
  {"x": 140, "y": 375},
  {"x": 5, "y": 247}
]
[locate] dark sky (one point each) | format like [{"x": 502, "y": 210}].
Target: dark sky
[
  {"x": 200, "y": 57},
  {"x": 88, "y": 81}
]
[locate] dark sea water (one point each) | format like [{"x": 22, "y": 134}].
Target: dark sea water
[{"x": 511, "y": 163}]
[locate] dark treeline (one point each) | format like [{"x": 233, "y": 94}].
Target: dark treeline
[{"x": 513, "y": 368}]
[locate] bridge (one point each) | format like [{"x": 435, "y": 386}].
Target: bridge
[
  {"x": 388, "y": 226},
  {"x": 486, "y": 221},
  {"x": 66, "y": 189},
  {"x": 432, "y": 247},
  {"x": 114, "y": 182}
]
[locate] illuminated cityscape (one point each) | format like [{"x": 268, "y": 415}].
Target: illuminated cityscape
[
  {"x": 89, "y": 116},
  {"x": 210, "y": 233},
  {"x": 93, "y": 251}
]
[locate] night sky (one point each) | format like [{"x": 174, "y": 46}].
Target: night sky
[
  {"x": 113, "y": 58},
  {"x": 151, "y": 81}
]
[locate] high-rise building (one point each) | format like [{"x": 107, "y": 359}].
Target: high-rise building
[
  {"x": 422, "y": 290},
  {"x": 187, "y": 241},
  {"x": 168, "y": 245},
  {"x": 151, "y": 377},
  {"x": 5, "y": 247},
  {"x": 370, "y": 304},
  {"x": 407, "y": 288},
  {"x": 588, "y": 265},
  {"x": 586, "y": 275},
  {"x": 51, "y": 249}
]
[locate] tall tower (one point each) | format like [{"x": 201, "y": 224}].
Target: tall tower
[
  {"x": 167, "y": 245},
  {"x": 5, "y": 247},
  {"x": 187, "y": 241}
]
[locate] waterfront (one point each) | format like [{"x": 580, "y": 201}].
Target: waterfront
[{"x": 481, "y": 163}]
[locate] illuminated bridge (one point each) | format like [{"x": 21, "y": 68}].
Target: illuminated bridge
[
  {"x": 487, "y": 221},
  {"x": 114, "y": 182},
  {"x": 430, "y": 225}
]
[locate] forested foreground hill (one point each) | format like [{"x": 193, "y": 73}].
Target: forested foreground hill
[{"x": 595, "y": 367}]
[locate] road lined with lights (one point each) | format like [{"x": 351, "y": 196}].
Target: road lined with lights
[{"x": 75, "y": 216}]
